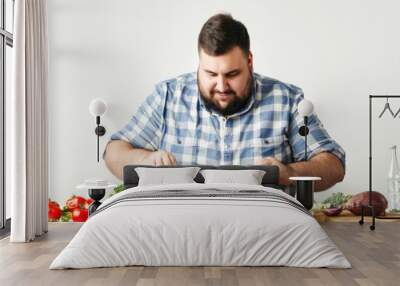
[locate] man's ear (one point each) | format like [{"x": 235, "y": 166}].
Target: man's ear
[{"x": 250, "y": 60}]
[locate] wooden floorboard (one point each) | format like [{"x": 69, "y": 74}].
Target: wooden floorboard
[{"x": 374, "y": 255}]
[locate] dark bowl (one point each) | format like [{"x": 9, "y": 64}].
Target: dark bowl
[{"x": 333, "y": 211}]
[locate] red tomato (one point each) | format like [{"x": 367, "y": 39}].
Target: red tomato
[
  {"x": 75, "y": 202},
  {"x": 79, "y": 215},
  {"x": 53, "y": 204},
  {"x": 54, "y": 211}
]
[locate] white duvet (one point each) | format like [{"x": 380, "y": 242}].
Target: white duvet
[{"x": 206, "y": 230}]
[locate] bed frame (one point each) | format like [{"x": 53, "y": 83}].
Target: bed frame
[{"x": 270, "y": 179}]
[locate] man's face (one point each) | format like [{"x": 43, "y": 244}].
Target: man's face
[{"x": 225, "y": 81}]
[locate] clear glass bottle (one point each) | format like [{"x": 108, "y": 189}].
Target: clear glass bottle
[{"x": 393, "y": 190}]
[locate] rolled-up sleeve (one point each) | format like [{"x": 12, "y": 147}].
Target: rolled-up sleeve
[
  {"x": 145, "y": 128},
  {"x": 318, "y": 139}
]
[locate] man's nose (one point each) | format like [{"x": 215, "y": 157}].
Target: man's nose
[{"x": 222, "y": 84}]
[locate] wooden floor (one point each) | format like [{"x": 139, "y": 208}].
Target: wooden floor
[{"x": 374, "y": 255}]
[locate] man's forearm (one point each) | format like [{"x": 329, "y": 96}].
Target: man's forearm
[
  {"x": 324, "y": 165},
  {"x": 120, "y": 153}
]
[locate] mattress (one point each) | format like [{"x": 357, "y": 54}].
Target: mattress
[{"x": 201, "y": 225}]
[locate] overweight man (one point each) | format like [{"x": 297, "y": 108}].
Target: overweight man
[{"x": 226, "y": 114}]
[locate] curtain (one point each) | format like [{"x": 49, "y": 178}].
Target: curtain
[{"x": 27, "y": 136}]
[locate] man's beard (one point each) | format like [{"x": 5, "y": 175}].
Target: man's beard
[{"x": 235, "y": 105}]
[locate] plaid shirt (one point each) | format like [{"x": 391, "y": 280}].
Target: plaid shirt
[{"x": 175, "y": 119}]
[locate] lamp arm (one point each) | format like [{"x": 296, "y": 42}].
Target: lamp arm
[
  {"x": 98, "y": 139},
  {"x": 98, "y": 136},
  {"x": 305, "y": 137}
]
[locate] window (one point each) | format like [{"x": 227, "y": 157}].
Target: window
[{"x": 6, "y": 44}]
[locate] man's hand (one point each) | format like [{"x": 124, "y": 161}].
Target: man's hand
[
  {"x": 120, "y": 153},
  {"x": 159, "y": 158},
  {"x": 285, "y": 171},
  {"x": 324, "y": 165}
]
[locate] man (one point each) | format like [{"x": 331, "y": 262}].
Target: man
[{"x": 225, "y": 114}]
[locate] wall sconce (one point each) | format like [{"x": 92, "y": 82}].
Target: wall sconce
[
  {"x": 305, "y": 109},
  {"x": 305, "y": 185},
  {"x": 97, "y": 108}
]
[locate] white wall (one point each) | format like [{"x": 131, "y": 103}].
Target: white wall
[{"x": 339, "y": 52}]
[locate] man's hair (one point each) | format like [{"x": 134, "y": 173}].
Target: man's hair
[{"x": 221, "y": 33}]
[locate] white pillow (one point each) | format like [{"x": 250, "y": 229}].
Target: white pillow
[
  {"x": 249, "y": 177},
  {"x": 163, "y": 176}
]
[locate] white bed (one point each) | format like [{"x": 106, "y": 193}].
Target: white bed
[{"x": 220, "y": 225}]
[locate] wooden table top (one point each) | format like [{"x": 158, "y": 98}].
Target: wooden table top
[{"x": 347, "y": 216}]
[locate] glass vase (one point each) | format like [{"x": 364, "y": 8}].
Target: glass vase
[{"x": 393, "y": 191}]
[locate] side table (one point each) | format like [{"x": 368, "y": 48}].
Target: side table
[
  {"x": 96, "y": 190},
  {"x": 305, "y": 190}
]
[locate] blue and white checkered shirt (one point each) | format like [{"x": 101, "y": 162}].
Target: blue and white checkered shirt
[{"x": 175, "y": 119}]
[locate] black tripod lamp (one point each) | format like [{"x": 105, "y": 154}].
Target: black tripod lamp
[{"x": 97, "y": 108}]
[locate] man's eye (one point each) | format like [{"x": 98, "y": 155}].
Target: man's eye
[
  {"x": 233, "y": 74},
  {"x": 212, "y": 74}
]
